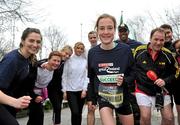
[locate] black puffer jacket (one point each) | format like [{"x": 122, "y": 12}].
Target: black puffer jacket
[{"x": 163, "y": 66}]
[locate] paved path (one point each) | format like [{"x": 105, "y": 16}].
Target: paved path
[{"x": 66, "y": 118}]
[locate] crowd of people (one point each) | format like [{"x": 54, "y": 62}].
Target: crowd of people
[{"x": 123, "y": 75}]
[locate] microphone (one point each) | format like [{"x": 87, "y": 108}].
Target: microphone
[
  {"x": 153, "y": 76},
  {"x": 159, "y": 96}
]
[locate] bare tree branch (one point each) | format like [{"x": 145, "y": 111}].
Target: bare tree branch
[
  {"x": 55, "y": 37},
  {"x": 13, "y": 12}
]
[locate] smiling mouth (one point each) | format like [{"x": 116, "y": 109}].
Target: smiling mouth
[{"x": 106, "y": 37}]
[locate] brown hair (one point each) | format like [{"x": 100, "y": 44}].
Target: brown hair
[
  {"x": 26, "y": 32},
  {"x": 175, "y": 42},
  {"x": 166, "y": 26},
  {"x": 33, "y": 59},
  {"x": 92, "y": 32},
  {"x": 55, "y": 53},
  {"x": 161, "y": 30},
  {"x": 105, "y": 16}
]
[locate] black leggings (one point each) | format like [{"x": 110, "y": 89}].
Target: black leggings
[
  {"x": 7, "y": 118},
  {"x": 135, "y": 108},
  {"x": 76, "y": 104},
  {"x": 36, "y": 114},
  {"x": 56, "y": 97}
]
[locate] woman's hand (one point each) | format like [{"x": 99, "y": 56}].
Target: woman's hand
[
  {"x": 44, "y": 65},
  {"x": 83, "y": 94},
  {"x": 22, "y": 102},
  {"x": 65, "y": 96},
  {"x": 38, "y": 99},
  {"x": 91, "y": 106}
]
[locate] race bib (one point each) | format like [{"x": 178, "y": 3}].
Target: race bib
[{"x": 113, "y": 94}]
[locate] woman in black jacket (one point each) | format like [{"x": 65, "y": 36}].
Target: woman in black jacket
[
  {"x": 176, "y": 85},
  {"x": 13, "y": 70},
  {"x": 54, "y": 88}
]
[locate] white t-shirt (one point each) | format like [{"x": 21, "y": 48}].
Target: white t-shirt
[{"x": 43, "y": 78}]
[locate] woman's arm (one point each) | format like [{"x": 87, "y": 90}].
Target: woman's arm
[{"x": 21, "y": 102}]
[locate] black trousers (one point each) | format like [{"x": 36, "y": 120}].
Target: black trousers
[
  {"x": 6, "y": 118},
  {"x": 76, "y": 104},
  {"x": 135, "y": 109},
  {"x": 36, "y": 114},
  {"x": 56, "y": 97}
]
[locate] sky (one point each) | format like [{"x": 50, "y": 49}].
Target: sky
[{"x": 77, "y": 17}]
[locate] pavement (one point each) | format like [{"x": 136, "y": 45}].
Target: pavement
[{"x": 66, "y": 116}]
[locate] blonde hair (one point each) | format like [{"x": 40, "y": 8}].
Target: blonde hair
[
  {"x": 78, "y": 44},
  {"x": 66, "y": 47}
]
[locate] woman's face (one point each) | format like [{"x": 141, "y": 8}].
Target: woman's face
[
  {"x": 32, "y": 43},
  {"x": 177, "y": 47},
  {"x": 106, "y": 30},
  {"x": 66, "y": 54},
  {"x": 54, "y": 62},
  {"x": 78, "y": 50}
]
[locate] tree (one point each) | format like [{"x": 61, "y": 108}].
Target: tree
[
  {"x": 137, "y": 27},
  {"x": 53, "y": 39},
  {"x": 3, "y": 46},
  {"x": 12, "y": 12},
  {"x": 15, "y": 9},
  {"x": 173, "y": 17},
  {"x": 141, "y": 26}
]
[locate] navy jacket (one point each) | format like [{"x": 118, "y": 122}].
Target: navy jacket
[{"x": 109, "y": 62}]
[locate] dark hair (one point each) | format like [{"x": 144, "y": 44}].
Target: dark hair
[
  {"x": 175, "y": 42},
  {"x": 157, "y": 30},
  {"x": 27, "y": 31},
  {"x": 105, "y": 16},
  {"x": 166, "y": 26},
  {"x": 55, "y": 53},
  {"x": 123, "y": 27}
]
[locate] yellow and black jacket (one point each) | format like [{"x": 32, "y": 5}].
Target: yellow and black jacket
[{"x": 163, "y": 66}]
